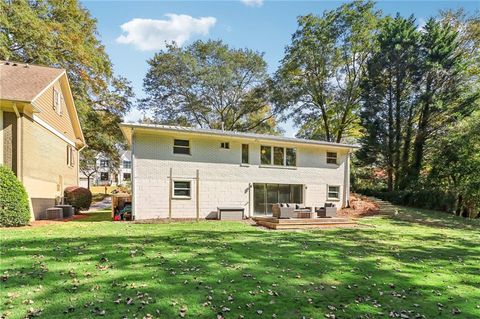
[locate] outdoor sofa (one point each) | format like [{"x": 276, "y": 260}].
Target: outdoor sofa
[{"x": 290, "y": 210}]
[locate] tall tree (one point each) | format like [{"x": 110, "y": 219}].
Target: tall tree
[
  {"x": 388, "y": 97},
  {"x": 440, "y": 86},
  {"x": 209, "y": 84},
  {"x": 455, "y": 164},
  {"x": 418, "y": 84},
  {"x": 319, "y": 77},
  {"x": 63, "y": 34}
]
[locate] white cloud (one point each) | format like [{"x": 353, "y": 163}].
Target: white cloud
[
  {"x": 151, "y": 34},
  {"x": 253, "y": 3}
]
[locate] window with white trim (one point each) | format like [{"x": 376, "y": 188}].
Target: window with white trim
[
  {"x": 104, "y": 163},
  {"x": 225, "y": 145},
  {"x": 333, "y": 192},
  {"x": 245, "y": 154},
  {"x": 280, "y": 156},
  {"x": 182, "y": 189},
  {"x": 57, "y": 101},
  {"x": 70, "y": 158},
  {"x": 127, "y": 164},
  {"x": 181, "y": 147},
  {"x": 104, "y": 176},
  {"x": 127, "y": 176},
  {"x": 331, "y": 158}
]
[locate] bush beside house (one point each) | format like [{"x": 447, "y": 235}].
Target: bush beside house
[
  {"x": 14, "y": 209},
  {"x": 78, "y": 197}
]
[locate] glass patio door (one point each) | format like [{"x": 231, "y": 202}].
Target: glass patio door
[{"x": 265, "y": 195}]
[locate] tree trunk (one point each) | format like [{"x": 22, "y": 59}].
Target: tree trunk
[
  {"x": 398, "y": 130},
  {"x": 406, "y": 150},
  {"x": 390, "y": 138},
  {"x": 458, "y": 211},
  {"x": 421, "y": 137}
]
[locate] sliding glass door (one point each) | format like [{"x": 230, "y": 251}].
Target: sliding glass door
[{"x": 265, "y": 195}]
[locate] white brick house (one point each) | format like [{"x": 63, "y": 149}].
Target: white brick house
[{"x": 180, "y": 172}]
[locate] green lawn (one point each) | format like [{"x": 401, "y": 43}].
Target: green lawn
[{"x": 416, "y": 264}]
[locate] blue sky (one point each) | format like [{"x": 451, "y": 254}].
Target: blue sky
[{"x": 265, "y": 26}]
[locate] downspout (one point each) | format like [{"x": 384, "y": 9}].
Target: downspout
[
  {"x": 20, "y": 155},
  {"x": 346, "y": 181},
  {"x": 134, "y": 210},
  {"x": 78, "y": 163},
  {"x": 19, "y": 143}
]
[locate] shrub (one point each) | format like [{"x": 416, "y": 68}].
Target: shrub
[
  {"x": 80, "y": 198},
  {"x": 14, "y": 208}
]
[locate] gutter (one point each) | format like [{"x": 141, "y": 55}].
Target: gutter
[{"x": 239, "y": 135}]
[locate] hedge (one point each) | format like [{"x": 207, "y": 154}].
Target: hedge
[
  {"x": 428, "y": 199},
  {"x": 14, "y": 208},
  {"x": 80, "y": 198}
]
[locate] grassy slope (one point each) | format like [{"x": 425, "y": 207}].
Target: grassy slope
[{"x": 411, "y": 262}]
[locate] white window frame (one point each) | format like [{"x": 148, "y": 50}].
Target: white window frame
[
  {"x": 182, "y": 146},
  {"x": 182, "y": 196},
  {"x": 331, "y": 157},
  {"x": 106, "y": 161},
  {"x": 248, "y": 154},
  {"x": 70, "y": 159},
  {"x": 127, "y": 166},
  {"x": 57, "y": 101},
  {"x": 272, "y": 156},
  {"x": 126, "y": 179},
  {"x": 225, "y": 145},
  {"x": 104, "y": 180},
  {"x": 328, "y": 193}
]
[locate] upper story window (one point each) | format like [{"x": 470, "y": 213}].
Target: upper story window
[
  {"x": 225, "y": 145},
  {"x": 281, "y": 156},
  {"x": 291, "y": 157},
  {"x": 181, "y": 147},
  {"x": 278, "y": 155},
  {"x": 70, "y": 159},
  {"x": 245, "y": 154},
  {"x": 57, "y": 101},
  {"x": 104, "y": 163},
  {"x": 127, "y": 164},
  {"x": 331, "y": 158},
  {"x": 266, "y": 155}
]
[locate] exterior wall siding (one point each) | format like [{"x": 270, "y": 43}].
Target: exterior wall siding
[
  {"x": 61, "y": 123},
  {"x": 45, "y": 169},
  {"x": 9, "y": 133},
  {"x": 223, "y": 180}
]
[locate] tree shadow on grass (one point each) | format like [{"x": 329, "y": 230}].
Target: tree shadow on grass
[
  {"x": 349, "y": 272},
  {"x": 406, "y": 216}
]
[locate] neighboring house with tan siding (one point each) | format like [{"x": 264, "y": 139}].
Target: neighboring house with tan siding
[{"x": 40, "y": 135}]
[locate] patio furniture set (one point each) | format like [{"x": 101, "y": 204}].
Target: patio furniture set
[{"x": 293, "y": 210}]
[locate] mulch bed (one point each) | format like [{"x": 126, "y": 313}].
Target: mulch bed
[
  {"x": 360, "y": 207},
  {"x": 36, "y": 223}
]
